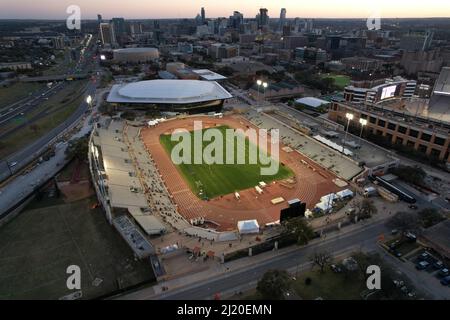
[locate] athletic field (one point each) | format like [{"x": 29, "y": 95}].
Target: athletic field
[{"x": 210, "y": 181}]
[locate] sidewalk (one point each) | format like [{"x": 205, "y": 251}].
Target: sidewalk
[{"x": 237, "y": 265}]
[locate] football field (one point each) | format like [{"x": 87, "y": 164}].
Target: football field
[{"x": 210, "y": 181}]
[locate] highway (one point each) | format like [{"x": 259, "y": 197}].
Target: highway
[
  {"x": 363, "y": 238},
  {"x": 27, "y": 104},
  {"x": 21, "y": 158}
]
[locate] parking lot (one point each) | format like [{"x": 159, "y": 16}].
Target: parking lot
[{"x": 426, "y": 262}]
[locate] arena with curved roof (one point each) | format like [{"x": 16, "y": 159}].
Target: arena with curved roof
[{"x": 191, "y": 96}]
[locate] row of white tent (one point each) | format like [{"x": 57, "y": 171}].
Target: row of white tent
[{"x": 326, "y": 202}]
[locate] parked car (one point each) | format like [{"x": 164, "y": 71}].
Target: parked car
[
  {"x": 445, "y": 281},
  {"x": 411, "y": 237},
  {"x": 413, "y": 207},
  {"x": 394, "y": 232},
  {"x": 424, "y": 256},
  {"x": 444, "y": 272},
  {"x": 438, "y": 265},
  {"x": 422, "y": 265}
]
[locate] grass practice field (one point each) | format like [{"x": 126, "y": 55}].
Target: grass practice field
[
  {"x": 340, "y": 81},
  {"x": 210, "y": 181}
]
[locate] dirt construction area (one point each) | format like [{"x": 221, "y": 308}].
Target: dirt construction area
[{"x": 309, "y": 183}]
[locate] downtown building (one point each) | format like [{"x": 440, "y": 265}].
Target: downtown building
[{"x": 402, "y": 120}]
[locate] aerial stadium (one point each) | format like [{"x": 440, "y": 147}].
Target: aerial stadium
[
  {"x": 184, "y": 96},
  {"x": 145, "y": 194}
]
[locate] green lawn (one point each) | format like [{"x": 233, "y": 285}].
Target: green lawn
[
  {"x": 330, "y": 285},
  {"x": 58, "y": 108},
  {"x": 39, "y": 244},
  {"x": 17, "y": 92},
  {"x": 339, "y": 80},
  {"x": 210, "y": 181}
]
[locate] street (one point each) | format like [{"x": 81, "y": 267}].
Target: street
[{"x": 363, "y": 238}]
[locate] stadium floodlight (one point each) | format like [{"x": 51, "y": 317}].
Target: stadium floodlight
[
  {"x": 349, "y": 117},
  {"x": 265, "y": 85},
  {"x": 363, "y": 123},
  {"x": 259, "y": 84}
]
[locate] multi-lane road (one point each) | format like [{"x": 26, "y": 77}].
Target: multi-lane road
[
  {"x": 20, "y": 159},
  {"x": 363, "y": 238}
]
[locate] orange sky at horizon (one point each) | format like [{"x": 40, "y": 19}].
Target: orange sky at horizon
[{"x": 143, "y": 9}]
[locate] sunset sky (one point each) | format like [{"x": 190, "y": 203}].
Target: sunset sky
[{"x": 141, "y": 9}]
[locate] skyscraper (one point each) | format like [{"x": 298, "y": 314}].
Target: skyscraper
[
  {"x": 309, "y": 25},
  {"x": 236, "y": 20},
  {"x": 282, "y": 20},
  {"x": 203, "y": 14},
  {"x": 262, "y": 18},
  {"x": 99, "y": 18}
]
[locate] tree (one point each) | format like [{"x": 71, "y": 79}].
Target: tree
[
  {"x": 298, "y": 228},
  {"x": 321, "y": 259},
  {"x": 414, "y": 175},
  {"x": 77, "y": 149},
  {"x": 404, "y": 222},
  {"x": 365, "y": 209},
  {"x": 273, "y": 284},
  {"x": 429, "y": 217}
]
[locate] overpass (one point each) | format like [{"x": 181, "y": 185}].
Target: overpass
[{"x": 55, "y": 78}]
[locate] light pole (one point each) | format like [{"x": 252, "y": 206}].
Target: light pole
[
  {"x": 265, "y": 85},
  {"x": 349, "y": 117},
  {"x": 362, "y": 122},
  {"x": 258, "y": 83},
  {"x": 89, "y": 101}
]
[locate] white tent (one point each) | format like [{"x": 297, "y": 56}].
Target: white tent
[
  {"x": 324, "y": 206},
  {"x": 329, "y": 198},
  {"x": 347, "y": 193},
  {"x": 248, "y": 226}
]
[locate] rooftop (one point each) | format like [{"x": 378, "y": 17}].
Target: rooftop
[
  {"x": 312, "y": 102},
  {"x": 168, "y": 92},
  {"x": 209, "y": 75}
]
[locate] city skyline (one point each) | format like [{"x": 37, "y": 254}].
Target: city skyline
[{"x": 48, "y": 9}]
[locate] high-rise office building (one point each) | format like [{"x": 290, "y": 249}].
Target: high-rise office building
[
  {"x": 99, "y": 18},
  {"x": 203, "y": 15},
  {"x": 282, "y": 20},
  {"x": 107, "y": 34},
  {"x": 417, "y": 41},
  {"x": 119, "y": 26},
  {"x": 309, "y": 25},
  {"x": 262, "y": 18},
  {"x": 236, "y": 20}
]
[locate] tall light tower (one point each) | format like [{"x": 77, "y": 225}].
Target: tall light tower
[
  {"x": 265, "y": 85},
  {"x": 349, "y": 117},
  {"x": 363, "y": 123},
  {"x": 259, "y": 84}
]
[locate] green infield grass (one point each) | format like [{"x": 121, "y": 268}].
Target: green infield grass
[{"x": 210, "y": 181}]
